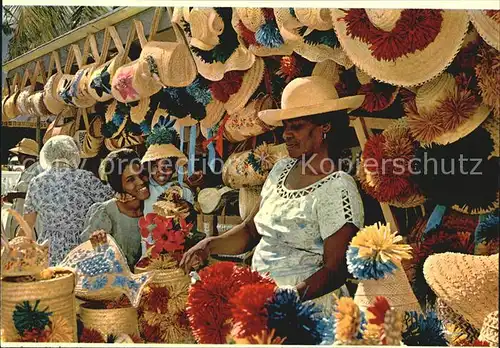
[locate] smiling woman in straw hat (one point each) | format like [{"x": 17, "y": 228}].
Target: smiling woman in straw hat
[{"x": 309, "y": 209}]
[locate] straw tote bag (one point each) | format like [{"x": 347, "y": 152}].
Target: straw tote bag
[{"x": 58, "y": 127}]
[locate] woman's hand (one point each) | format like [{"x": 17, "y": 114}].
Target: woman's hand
[
  {"x": 99, "y": 237},
  {"x": 196, "y": 256}
]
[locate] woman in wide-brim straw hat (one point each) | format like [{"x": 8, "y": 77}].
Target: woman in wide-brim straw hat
[
  {"x": 468, "y": 284},
  {"x": 214, "y": 42},
  {"x": 307, "y": 214},
  {"x": 385, "y": 47}
]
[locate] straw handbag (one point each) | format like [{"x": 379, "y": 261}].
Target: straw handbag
[
  {"x": 114, "y": 321},
  {"x": 250, "y": 168},
  {"x": 57, "y": 127},
  {"x": 51, "y": 302}
]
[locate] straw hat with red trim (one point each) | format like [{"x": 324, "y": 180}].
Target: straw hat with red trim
[
  {"x": 307, "y": 96},
  {"x": 401, "y": 47},
  {"x": 487, "y": 24}
]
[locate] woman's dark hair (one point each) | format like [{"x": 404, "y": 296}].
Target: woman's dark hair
[
  {"x": 339, "y": 135},
  {"x": 114, "y": 165}
]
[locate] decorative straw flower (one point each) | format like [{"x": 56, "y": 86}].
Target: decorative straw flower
[{"x": 373, "y": 252}]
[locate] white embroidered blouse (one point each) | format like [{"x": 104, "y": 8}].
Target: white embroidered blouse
[{"x": 294, "y": 223}]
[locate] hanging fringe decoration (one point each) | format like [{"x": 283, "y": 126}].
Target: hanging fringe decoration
[{"x": 268, "y": 35}]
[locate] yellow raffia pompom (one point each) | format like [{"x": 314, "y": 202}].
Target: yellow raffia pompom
[
  {"x": 60, "y": 330},
  {"x": 377, "y": 242},
  {"x": 348, "y": 319}
]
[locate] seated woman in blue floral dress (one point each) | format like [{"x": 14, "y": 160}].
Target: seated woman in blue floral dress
[
  {"x": 120, "y": 215},
  {"x": 61, "y": 195},
  {"x": 310, "y": 209}
]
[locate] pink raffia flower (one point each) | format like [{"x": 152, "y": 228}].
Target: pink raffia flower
[{"x": 124, "y": 84}]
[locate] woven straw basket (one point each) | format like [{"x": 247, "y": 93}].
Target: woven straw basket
[
  {"x": 396, "y": 288},
  {"x": 115, "y": 321},
  {"x": 167, "y": 277},
  {"x": 57, "y": 294}
]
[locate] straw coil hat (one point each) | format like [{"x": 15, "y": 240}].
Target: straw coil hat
[
  {"x": 22, "y": 101},
  {"x": 206, "y": 26},
  {"x": 429, "y": 124},
  {"x": 82, "y": 98},
  {"x": 296, "y": 24},
  {"x": 488, "y": 26},
  {"x": 11, "y": 108},
  {"x": 215, "y": 112},
  {"x": 100, "y": 79},
  {"x": 134, "y": 81},
  {"x": 245, "y": 123},
  {"x": 210, "y": 199},
  {"x": 307, "y": 96},
  {"x": 26, "y": 146},
  {"x": 38, "y": 104},
  {"x": 489, "y": 330},
  {"x": 63, "y": 89},
  {"x": 251, "y": 81},
  {"x": 175, "y": 64},
  {"x": 252, "y": 21},
  {"x": 51, "y": 98},
  {"x": 138, "y": 112},
  {"x": 403, "y": 67},
  {"x": 395, "y": 288},
  {"x": 327, "y": 69},
  {"x": 159, "y": 151},
  {"x": 248, "y": 199},
  {"x": 468, "y": 284},
  {"x": 93, "y": 139}
]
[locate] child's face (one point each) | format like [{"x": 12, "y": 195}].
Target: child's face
[{"x": 162, "y": 170}]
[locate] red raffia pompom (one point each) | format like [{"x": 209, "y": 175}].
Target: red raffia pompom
[
  {"x": 229, "y": 85},
  {"x": 151, "y": 333},
  {"x": 209, "y": 308},
  {"x": 91, "y": 336},
  {"x": 289, "y": 67},
  {"x": 379, "y": 307},
  {"x": 249, "y": 311},
  {"x": 156, "y": 300},
  {"x": 268, "y": 14},
  {"x": 414, "y": 31},
  {"x": 247, "y": 35},
  {"x": 36, "y": 335},
  {"x": 377, "y": 96}
]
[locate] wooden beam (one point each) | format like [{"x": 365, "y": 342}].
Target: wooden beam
[{"x": 73, "y": 36}]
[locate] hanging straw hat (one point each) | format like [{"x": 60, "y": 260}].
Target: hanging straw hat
[
  {"x": 11, "y": 108},
  {"x": 175, "y": 64},
  {"x": 39, "y": 105},
  {"x": 248, "y": 199},
  {"x": 124, "y": 140},
  {"x": 312, "y": 34},
  {"x": 211, "y": 199},
  {"x": 110, "y": 115},
  {"x": 51, "y": 98},
  {"x": 22, "y": 101},
  {"x": 308, "y": 96},
  {"x": 81, "y": 96},
  {"x": 245, "y": 123},
  {"x": 487, "y": 23},
  {"x": 139, "y": 111},
  {"x": 215, "y": 112},
  {"x": 404, "y": 64},
  {"x": 212, "y": 56},
  {"x": 327, "y": 69},
  {"x": 134, "y": 81},
  {"x": 257, "y": 28},
  {"x": 251, "y": 81},
  {"x": 93, "y": 139},
  {"x": 63, "y": 89},
  {"x": 99, "y": 82},
  {"x": 487, "y": 72},
  {"x": 379, "y": 96},
  {"x": 468, "y": 284},
  {"x": 443, "y": 113},
  {"x": 489, "y": 330}
]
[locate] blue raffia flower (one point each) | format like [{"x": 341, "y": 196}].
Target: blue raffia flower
[
  {"x": 100, "y": 282},
  {"x": 133, "y": 285},
  {"x": 110, "y": 254},
  {"x": 86, "y": 283},
  {"x": 118, "y": 119},
  {"x": 424, "y": 330},
  {"x": 300, "y": 322},
  {"x": 145, "y": 127},
  {"x": 487, "y": 229},
  {"x": 364, "y": 269},
  {"x": 268, "y": 35},
  {"x": 117, "y": 267},
  {"x": 362, "y": 325},
  {"x": 120, "y": 281},
  {"x": 201, "y": 95}
]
